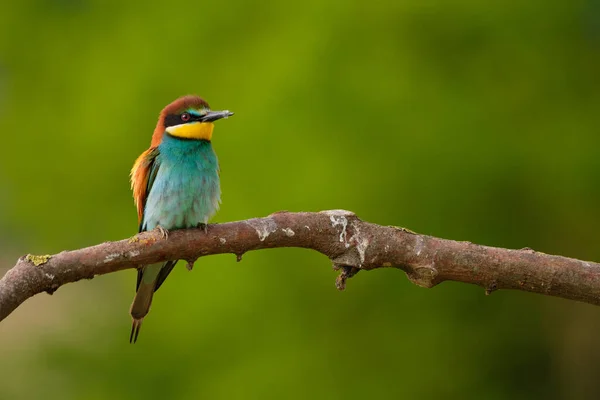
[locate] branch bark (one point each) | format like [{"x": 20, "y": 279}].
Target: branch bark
[{"x": 351, "y": 244}]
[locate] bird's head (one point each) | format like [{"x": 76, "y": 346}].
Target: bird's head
[{"x": 188, "y": 117}]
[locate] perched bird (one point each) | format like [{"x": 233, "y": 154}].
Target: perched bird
[{"x": 175, "y": 185}]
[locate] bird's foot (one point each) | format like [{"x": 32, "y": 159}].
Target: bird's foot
[
  {"x": 163, "y": 232},
  {"x": 203, "y": 226}
]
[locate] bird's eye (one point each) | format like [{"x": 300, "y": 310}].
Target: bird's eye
[{"x": 185, "y": 117}]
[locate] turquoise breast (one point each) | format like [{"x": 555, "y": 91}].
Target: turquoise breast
[{"x": 186, "y": 190}]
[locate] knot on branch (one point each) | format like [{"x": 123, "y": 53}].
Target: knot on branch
[
  {"x": 423, "y": 275},
  {"x": 346, "y": 272},
  {"x": 355, "y": 242}
]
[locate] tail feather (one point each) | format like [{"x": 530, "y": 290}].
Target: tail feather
[
  {"x": 140, "y": 307},
  {"x": 135, "y": 330}
]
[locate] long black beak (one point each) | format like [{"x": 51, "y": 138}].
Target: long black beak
[{"x": 215, "y": 115}]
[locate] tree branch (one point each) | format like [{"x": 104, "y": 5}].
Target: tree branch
[{"x": 350, "y": 243}]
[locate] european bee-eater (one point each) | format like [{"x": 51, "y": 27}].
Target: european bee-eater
[{"x": 175, "y": 185}]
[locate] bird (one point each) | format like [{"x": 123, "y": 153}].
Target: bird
[{"x": 176, "y": 185}]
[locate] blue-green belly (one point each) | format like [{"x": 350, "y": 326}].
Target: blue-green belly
[{"x": 186, "y": 190}]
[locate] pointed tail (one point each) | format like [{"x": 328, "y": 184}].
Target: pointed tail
[
  {"x": 140, "y": 307},
  {"x": 143, "y": 299}
]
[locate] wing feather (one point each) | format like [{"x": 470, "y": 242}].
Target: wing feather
[{"x": 143, "y": 174}]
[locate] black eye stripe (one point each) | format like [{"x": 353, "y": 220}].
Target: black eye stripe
[
  {"x": 171, "y": 120},
  {"x": 175, "y": 119}
]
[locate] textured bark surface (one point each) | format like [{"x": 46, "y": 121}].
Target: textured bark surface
[{"x": 350, "y": 243}]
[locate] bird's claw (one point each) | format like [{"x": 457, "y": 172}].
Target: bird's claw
[
  {"x": 203, "y": 226},
  {"x": 163, "y": 232}
]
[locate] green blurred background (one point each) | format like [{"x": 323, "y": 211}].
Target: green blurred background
[{"x": 462, "y": 119}]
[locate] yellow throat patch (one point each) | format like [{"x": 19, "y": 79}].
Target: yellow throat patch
[{"x": 192, "y": 130}]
